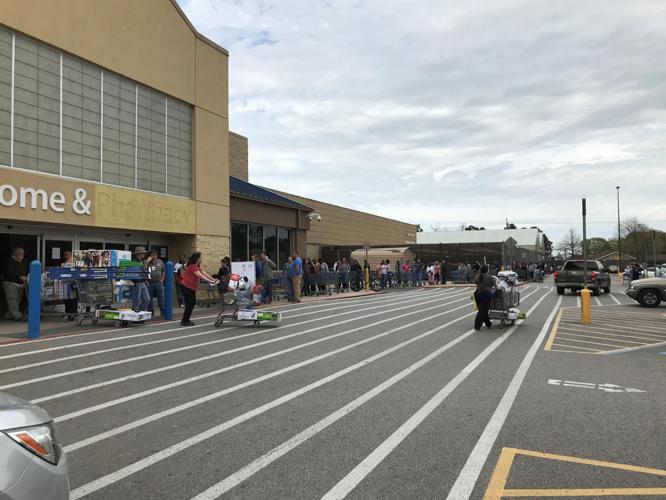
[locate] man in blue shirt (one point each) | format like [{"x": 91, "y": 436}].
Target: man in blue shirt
[{"x": 296, "y": 273}]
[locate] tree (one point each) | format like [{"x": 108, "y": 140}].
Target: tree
[
  {"x": 637, "y": 237},
  {"x": 570, "y": 245},
  {"x": 547, "y": 245},
  {"x": 598, "y": 246},
  {"x": 436, "y": 227},
  {"x": 419, "y": 229}
]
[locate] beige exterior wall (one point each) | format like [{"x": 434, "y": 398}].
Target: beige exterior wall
[
  {"x": 151, "y": 42},
  {"x": 238, "y": 156},
  {"x": 346, "y": 227}
]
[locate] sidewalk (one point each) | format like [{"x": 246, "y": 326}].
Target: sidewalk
[{"x": 16, "y": 331}]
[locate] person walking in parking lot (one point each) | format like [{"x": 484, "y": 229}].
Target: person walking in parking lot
[
  {"x": 483, "y": 296},
  {"x": 191, "y": 276}
]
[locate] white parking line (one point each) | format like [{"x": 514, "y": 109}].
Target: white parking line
[
  {"x": 464, "y": 485},
  {"x": 369, "y": 300},
  {"x": 216, "y": 355},
  {"x": 597, "y": 301},
  {"x": 146, "y": 462},
  {"x": 182, "y": 337},
  {"x": 612, "y": 296},
  {"x": 190, "y": 404},
  {"x": 202, "y": 376},
  {"x": 351, "y": 480}
]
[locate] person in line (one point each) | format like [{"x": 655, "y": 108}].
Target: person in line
[
  {"x": 383, "y": 273},
  {"x": 306, "y": 283},
  {"x": 71, "y": 302},
  {"x": 437, "y": 273},
  {"x": 296, "y": 271},
  {"x": 191, "y": 276},
  {"x": 178, "y": 275},
  {"x": 356, "y": 275},
  {"x": 268, "y": 267},
  {"x": 418, "y": 271},
  {"x": 430, "y": 271},
  {"x": 323, "y": 266},
  {"x": 140, "y": 295},
  {"x": 483, "y": 295},
  {"x": 223, "y": 275},
  {"x": 289, "y": 291},
  {"x": 15, "y": 271},
  {"x": 389, "y": 283},
  {"x": 155, "y": 266},
  {"x": 636, "y": 271}
]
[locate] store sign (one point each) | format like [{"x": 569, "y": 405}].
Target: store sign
[{"x": 40, "y": 199}]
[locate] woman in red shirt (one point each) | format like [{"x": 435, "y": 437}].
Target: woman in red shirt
[{"x": 192, "y": 274}]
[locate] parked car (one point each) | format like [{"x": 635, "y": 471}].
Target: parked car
[
  {"x": 654, "y": 272},
  {"x": 648, "y": 292},
  {"x": 572, "y": 277},
  {"x": 34, "y": 465}
]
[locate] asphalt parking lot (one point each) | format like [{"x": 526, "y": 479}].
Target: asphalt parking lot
[{"x": 391, "y": 396}]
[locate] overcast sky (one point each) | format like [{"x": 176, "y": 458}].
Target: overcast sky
[{"x": 448, "y": 112}]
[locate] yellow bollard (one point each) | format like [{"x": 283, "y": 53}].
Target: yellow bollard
[
  {"x": 367, "y": 279},
  {"x": 585, "y": 306}
]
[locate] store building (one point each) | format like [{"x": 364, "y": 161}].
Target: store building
[
  {"x": 262, "y": 220},
  {"x": 113, "y": 129},
  {"x": 325, "y": 230}
]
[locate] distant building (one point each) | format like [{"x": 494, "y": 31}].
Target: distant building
[{"x": 508, "y": 245}]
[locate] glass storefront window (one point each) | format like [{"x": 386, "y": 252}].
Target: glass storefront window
[
  {"x": 256, "y": 239},
  {"x": 74, "y": 119},
  {"x": 284, "y": 247},
  {"x": 238, "y": 242},
  {"x": 270, "y": 243}
]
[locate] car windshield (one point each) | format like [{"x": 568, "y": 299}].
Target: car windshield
[{"x": 579, "y": 265}]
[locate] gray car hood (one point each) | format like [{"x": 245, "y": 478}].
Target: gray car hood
[
  {"x": 650, "y": 281},
  {"x": 15, "y": 412}
]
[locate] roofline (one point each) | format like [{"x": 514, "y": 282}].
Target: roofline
[
  {"x": 196, "y": 33},
  {"x": 302, "y": 208},
  {"x": 287, "y": 195},
  {"x": 238, "y": 135}
]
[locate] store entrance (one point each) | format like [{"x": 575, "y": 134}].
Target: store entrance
[
  {"x": 54, "y": 251},
  {"x": 29, "y": 243}
]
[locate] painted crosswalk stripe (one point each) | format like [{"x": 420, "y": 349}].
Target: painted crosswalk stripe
[
  {"x": 142, "y": 464},
  {"x": 190, "y": 404},
  {"x": 203, "y": 358},
  {"x": 360, "y": 472},
  {"x": 212, "y": 342}
]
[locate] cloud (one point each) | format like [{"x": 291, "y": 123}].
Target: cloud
[{"x": 449, "y": 112}]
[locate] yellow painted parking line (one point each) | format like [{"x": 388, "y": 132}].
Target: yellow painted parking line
[
  {"x": 551, "y": 337},
  {"x": 600, "y": 338},
  {"x": 595, "y": 343},
  {"x": 596, "y": 492},
  {"x": 605, "y": 332},
  {"x": 497, "y": 490},
  {"x": 639, "y": 348},
  {"x": 577, "y": 347}
]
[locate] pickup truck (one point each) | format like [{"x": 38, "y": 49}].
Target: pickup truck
[{"x": 571, "y": 276}]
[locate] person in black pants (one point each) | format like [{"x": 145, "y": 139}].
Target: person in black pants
[
  {"x": 191, "y": 276},
  {"x": 483, "y": 296}
]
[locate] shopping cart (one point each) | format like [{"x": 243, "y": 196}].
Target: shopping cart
[{"x": 504, "y": 306}]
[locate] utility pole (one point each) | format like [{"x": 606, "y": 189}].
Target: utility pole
[
  {"x": 654, "y": 251},
  {"x": 620, "y": 269}
]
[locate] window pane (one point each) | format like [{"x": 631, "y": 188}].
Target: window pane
[
  {"x": 284, "y": 246},
  {"x": 270, "y": 242},
  {"x": 119, "y": 97},
  {"x": 81, "y": 101},
  {"x": 151, "y": 153},
  {"x": 238, "y": 242},
  {"x": 5, "y": 96},
  {"x": 256, "y": 239},
  {"x": 179, "y": 148},
  {"x": 36, "y": 107}
]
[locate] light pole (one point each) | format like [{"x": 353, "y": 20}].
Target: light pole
[{"x": 620, "y": 269}]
